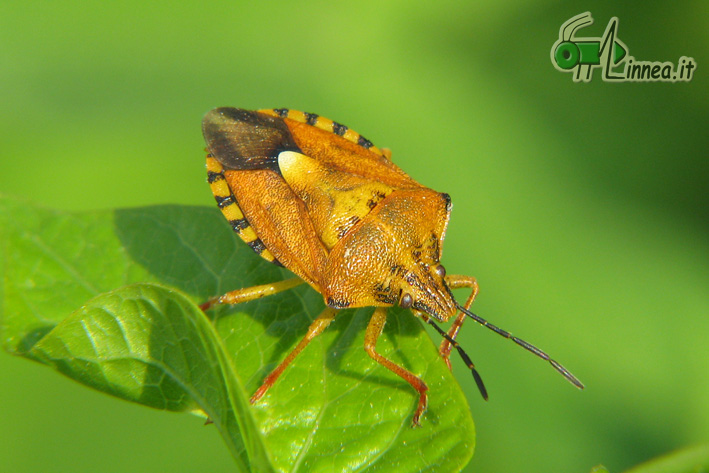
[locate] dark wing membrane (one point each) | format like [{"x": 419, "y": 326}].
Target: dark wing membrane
[{"x": 241, "y": 139}]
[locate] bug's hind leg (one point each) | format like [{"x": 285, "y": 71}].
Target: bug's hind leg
[
  {"x": 315, "y": 329},
  {"x": 374, "y": 330},
  {"x": 458, "y": 282},
  {"x": 251, "y": 293}
]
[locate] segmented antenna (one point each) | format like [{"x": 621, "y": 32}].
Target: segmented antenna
[
  {"x": 464, "y": 356},
  {"x": 527, "y": 346}
]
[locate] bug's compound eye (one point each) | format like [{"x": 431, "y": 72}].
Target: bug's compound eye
[
  {"x": 406, "y": 301},
  {"x": 440, "y": 271}
]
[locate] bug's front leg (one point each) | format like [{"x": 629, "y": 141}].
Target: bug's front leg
[
  {"x": 251, "y": 293},
  {"x": 315, "y": 329},
  {"x": 458, "y": 282},
  {"x": 374, "y": 330}
]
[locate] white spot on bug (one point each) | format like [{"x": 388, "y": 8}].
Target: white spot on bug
[{"x": 287, "y": 159}]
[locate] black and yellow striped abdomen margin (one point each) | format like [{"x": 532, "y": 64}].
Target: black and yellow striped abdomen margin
[
  {"x": 324, "y": 124},
  {"x": 232, "y": 212}
]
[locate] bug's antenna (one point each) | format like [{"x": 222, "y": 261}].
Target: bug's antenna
[
  {"x": 527, "y": 346},
  {"x": 464, "y": 356}
]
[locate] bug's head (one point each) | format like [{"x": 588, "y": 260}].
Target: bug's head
[
  {"x": 392, "y": 257},
  {"x": 424, "y": 289}
]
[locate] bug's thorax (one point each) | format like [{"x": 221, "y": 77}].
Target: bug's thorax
[{"x": 391, "y": 257}]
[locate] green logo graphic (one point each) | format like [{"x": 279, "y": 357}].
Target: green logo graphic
[{"x": 608, "y": 53}]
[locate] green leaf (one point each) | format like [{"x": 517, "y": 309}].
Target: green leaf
[
  {"x": 151, "y": 345},
  {"x": 108, "y": 298},
  {"x": 693, "y": 459}
]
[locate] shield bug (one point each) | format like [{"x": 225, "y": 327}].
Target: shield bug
[{"x": 316, "y": 197}]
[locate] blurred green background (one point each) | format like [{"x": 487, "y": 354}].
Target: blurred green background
[{"x": 582, "y": 209}]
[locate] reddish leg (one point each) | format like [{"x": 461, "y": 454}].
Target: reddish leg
[
  {"x": 457, "y": 282},
  {"x": 318, "y": 325},
  {"x": 374, "y": 330}
]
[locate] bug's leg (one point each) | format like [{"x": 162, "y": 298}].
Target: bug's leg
[
  {"x": 457, "y": 282},
  {"x": 251, "y": 293},
  {"x": 315, "y": 329},
  {"x": 374, "y": 330}
]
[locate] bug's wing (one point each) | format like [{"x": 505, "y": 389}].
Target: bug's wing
[
  {"x": 242, "y": 139},
  {"x": 245, "y": 146},
  {"x": 281, "y": 221}
]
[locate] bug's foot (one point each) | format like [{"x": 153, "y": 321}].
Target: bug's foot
[
  {"x": 208, "y": 305},
  {"x": 205, "y": 306},
  {"x": 259, "y": 394},
  {"x": 423, "y": 404}
]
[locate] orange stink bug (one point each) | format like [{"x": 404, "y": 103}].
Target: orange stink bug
[{"x": 316, "y": 197}]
